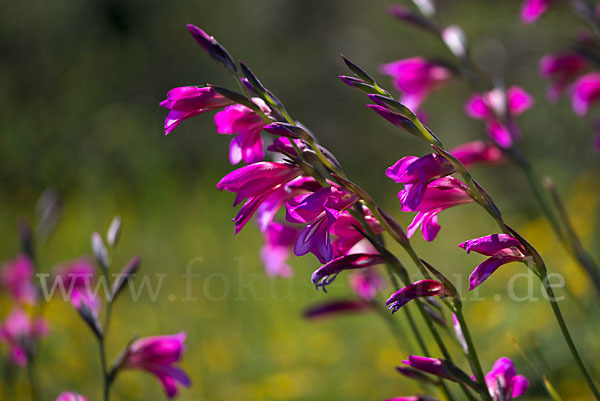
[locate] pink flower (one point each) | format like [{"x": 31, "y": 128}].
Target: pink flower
[
  {"x": 347, "y": 236},
  {"x": 158, "y": 355},
  {"x": 20, "y": 333},
  {"x": 533, "y": 9},
  {"x": 502, "y": 248},
  {"x": 77, "y": 277},
  {"x": 366, "y": 283},
  {"x": 439, "y": 195},
  {"x": 419, "y": 289},
  {"x": 561, "y": 69},
  {"x": 327, "y": 273},
  {"x": 416, "y": 78},
  {"x": 247, "y": 145},
  {"x": 585, "y": 92},
  {"x": 414, "y": 398},
  {"x": 17, "y": 278},
  {"x": 189, "y": 101},
  {"x": 71, "y": 397},
  {"x": 418, "y": 171},
  {"x": 279, "y": 242},
  {"x": 476, "y": 152},
  {"x": 318, "y": 210},
  {"x": 256, "y": 182},
  {"x": 496, "y": 106},
  {"x": 434, "y": 366},
  {"x": 503, "y": 375},
  {"x": 336, "y": 307}
]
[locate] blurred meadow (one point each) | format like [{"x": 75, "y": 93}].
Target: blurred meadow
[{"x": 80, "y": 84}]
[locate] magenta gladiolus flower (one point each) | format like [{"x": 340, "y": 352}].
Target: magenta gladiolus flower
[
  {"x": 256, "y": 182},
  {"x": 19, "y": 332},
  {"x": 327, "y": 273},
  {"x": 561, "y": 69},
  {"x": 494, "y": 107},
  {"x": 585, "y": 92},
  {"x": 502, "y": 248},
  {"x": 416, "y": 78},
  {"x": 434, "y": 366},
  {"x": 336, "y": 308},
  {"x": 67, "y": 396},
  {"x": 414, "y": 398},
  {"x": 477, "y": 152},
  {"x": 189, "y": 101},
  {"x": 419, "y": 289},
  {"x": 17, "y": 278},
  {"x": 158, "y": 355},
  {"x": 439, "y": 195},
  {"x": 247, "y": 145},
  {"x": 418, "y": 171},
  {"x": 503, "y": 380},
  {"x": 279, "y": 242},
  {"x": 318, "y": 210},
  {"x": 77, "y": 277},
  {"x": 533, "y": 9},
  {"x": 347, "y": 236}
]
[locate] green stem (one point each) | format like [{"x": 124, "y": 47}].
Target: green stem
[
  {"x": 567, "y": 335},
  {"x": 107, "y": 376},
  {"x": 31, "y": 377}
]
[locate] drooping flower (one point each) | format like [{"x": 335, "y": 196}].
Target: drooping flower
[
  {"x": 327, "y": 273},
  {"x": 502, "y": 249},
  {"x": 318, "y": 210},
  {"x": 418, "y": 171},
  {"x": 19, "y": 332},
  {"x": 68, "y": 396},
  {"x": 419, "y": 289},
  {"x": 439, "y": 195},
  {"x": 76, "y": 278},
  {"x": 337, "y": 307},
  {"x": 531, "y": 10},
  {"x": 434, "y": 366},
  {"x": 256, "y": 182},
  {"x": 414, "y": 398},
  {"x": 561, "y": 69},
  {"x": 476, "y": 152},
  {"x": 189, "y": 101},
  {"x": 17, "y": 278},
  {"x": 496, "y": 106},
  {"x": 279, "y": 242},
  {"x": 416, "y": 78},
  {"x": 346, "y": 236},
  {"x": 158, "y": 356},
  {"x": 247, "y": 145},
  {"x": 503, "y": 380},
  {"x": 585, "y": 92}
]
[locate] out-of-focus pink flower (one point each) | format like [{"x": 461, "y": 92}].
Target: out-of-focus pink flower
[
  {"x": 533, "y": 9},
  {"x": 496, "y": 106},
  {"x": 158, "y": 356},
  {"x": 327, "y": 273},
  {"x": 335, "y": 308},
  {"x": 476, "y": 152},
  {"x": 19, "y": 332},
  {"x": 366, "y": 283},
  {"x": 502, "y": 249},
  {"x": 433, "y": 366},
  {"x": 418, "y": 171},
  {"x": 416, "y": 78},
  {"x": 585, "y": 92},
  {"x": 561, "y": 69},
  {"x": 77, "y": 278},
  {"x": 279, "y": 242},
  {"x": 189, "y": 101},
  {"x": 256, "y": 182},
  {"x": 17, "y": 278},
  {"x": 414, "y": 398},
  {"x": 439, "y": 195},
  {"x": 419, "y": 289},
  {"x": 503, "y": 379},
  {"x": 318, "y": 210},
  {"x": 68, "y": 396},
  {"x": 247, "y": 145}
]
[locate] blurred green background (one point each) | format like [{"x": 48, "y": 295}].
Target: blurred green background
[{"x": 80, "y": 84}]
